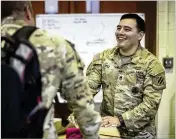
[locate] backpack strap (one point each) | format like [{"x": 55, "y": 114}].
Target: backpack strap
[
  {"x": 20, "y": 49},
  {"x": 21, "y": 36},
  {"x": 24, "y": 33},
  {"x": 12, "y": 42}
]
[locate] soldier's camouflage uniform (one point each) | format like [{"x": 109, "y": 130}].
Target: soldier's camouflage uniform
[
  {"x": 60, "y": 65},
  {"x": 132, "y": 88}
]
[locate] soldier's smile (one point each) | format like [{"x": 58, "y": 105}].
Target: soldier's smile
[{"x": 120, "y": 39}]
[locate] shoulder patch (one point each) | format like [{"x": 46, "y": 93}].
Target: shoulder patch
[{"x": 159, "y": 81}]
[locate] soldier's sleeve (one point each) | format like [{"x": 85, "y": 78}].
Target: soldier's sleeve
[
  {"x": 48, "y": 64},
  {"x": 74, "y": 89},
  {"x": 154, "y": 84},
  {"x": 94, "y": 74},
  {"x": 46, "y": 49}
]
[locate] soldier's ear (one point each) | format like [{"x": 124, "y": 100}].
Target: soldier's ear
[
  {"x": 27, "y": 12},
  {"x": 140, "y": 35}
]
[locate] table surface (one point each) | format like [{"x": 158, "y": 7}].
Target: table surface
[{"x": 105, "y": 133}]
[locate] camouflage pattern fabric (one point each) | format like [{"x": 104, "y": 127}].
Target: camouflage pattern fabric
[
  {"x": 60, "y": 66},
  {"x": 132, "y": 87}
]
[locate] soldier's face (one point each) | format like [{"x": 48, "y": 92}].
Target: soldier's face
[{"x": 127, "y": 34}]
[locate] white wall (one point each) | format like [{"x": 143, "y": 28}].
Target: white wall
[{"x": 166, "y": 46}]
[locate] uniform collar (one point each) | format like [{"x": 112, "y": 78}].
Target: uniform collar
[
  {"x": 10, "y": 25},
  {"x": 134, "y": 58},
  {"x": 137, "y": 55},
  {"x": 12, "y": 20}
]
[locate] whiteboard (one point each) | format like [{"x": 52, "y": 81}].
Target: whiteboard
[{"x": 91, "y": 33}]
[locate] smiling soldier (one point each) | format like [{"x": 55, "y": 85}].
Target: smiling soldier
[{"x": 132, "y": 80}]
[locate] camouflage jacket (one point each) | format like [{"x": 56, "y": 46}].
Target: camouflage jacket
[
  {"x": 132, "y": 88},
  {"x": 61, "y": 65}
]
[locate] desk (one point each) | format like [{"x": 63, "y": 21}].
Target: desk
[
  {"x": 109, "y": 132},
  {"x": 101, "y": 137},
  {"x": 105, "y": 133}
]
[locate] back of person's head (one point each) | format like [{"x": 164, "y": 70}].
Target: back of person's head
[
  {"x": 14, "y": 8},
  {"x": 140, "y": 22}
]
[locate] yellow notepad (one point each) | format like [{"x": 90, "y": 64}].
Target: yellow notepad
[{"x": 109, "y": 131}]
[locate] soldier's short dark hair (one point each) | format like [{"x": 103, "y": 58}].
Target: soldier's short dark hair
[
  {"x": 140, "y": 22},
  {"x": 8, "y": 8}
]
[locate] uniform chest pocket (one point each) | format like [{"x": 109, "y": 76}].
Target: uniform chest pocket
[
  {"x": 109, "y": 72},
  {"x": 107, "y": 68},
  {"x": 131, "y": 76},
  {"x": 135, "y": 81},
  {"x": 135, "y": 77}
]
